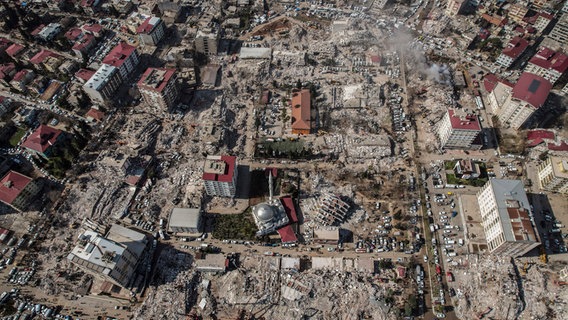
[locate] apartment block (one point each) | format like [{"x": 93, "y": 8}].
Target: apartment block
[
  {"x": 548, "y": 64},
  {"x": 158, "y": 87},
  {"x": 103, "y": 84},
  {"x": 151, "y": 31},
  {"x": 553, "y": 174},
  {"x": 505, "y": 217},
  {"x": 220, "y": 175},
  {"x": 459, "y": 131},
  {"x": 206, "y": 41}
]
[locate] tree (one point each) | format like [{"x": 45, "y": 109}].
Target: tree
[{"x": 299, "y": 84}]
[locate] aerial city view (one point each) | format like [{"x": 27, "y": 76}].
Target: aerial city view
[{"x": 284, "y": 159}]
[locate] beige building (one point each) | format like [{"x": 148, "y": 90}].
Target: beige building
[
  {"x": 158, "y": 87},
  {"x": 103, "y": 84},
  {"x": 454, "y": 7},
  {"x": 553, "y": 174},
  {"x": 206, "y": 41},
  {"x": 505, "y": 217}
]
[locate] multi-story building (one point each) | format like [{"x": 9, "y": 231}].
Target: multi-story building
[
  {"x": 46, "y": 60},
  {"x": 206, "y": 41},
  {"x": 542, "y": 21},
  {"x": 84, "y": 45},
  {"x": 548, "y": 64},
  {"x": 454, "y": 7},
  {"x": 517, "y": 11},
  {"x": 553, "y": 174},
  {"x": 220, "y": 175},
  {"x": 102, "y": 85},
  {"x": 506, "y": 218},
  {"x": 50, "y": 31},
  {"x": 526, "y": 97},
  {"x": 512, "y": 52},
  {"x": 122, "y": 6},
  {"x": 158, "y": 87},
  {"x": 459, "y": 131},
  {"x": 151, "y": 31},
  {"x": 124, "y": 57},
  {"x": 21, "y": 79},
  {"x": 560, "y": 31},
  {"x": 184, "y": 220},
  {"x": 113, "y": 257},
  {"x": 18, "y": 190},
  {"x": 301, "y": 112}
]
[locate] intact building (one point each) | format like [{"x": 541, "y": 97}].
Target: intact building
[
  {"x": 526, "y": 97},
  {"x": 220, "y": 176},
  {"x": 158, "y": 87},
  {"x": 103, "y": 84},
  {"x": 301, "y": 112},
  {"x": 553, "y": 174},
  {"x": 185, "y": 221},
  {"x": 459, "y": 131},
  {"x": 269, "y": 216},
  {"x": 124, "y": 57},
  {"x": 206, "y": 41},
  {"x": 42, "y": 140},
  {"x": 548, "y": 64},
  {"x": 512, "y": 52},
  {"x": 560, "y": 31},
  {"x": 18, "y": 190},
  {"x": 505, "y": 216},
  {"x": 151, "y": 31},
  {"x": 454, "y": 7},
  {"x": 114, "y": 257}
]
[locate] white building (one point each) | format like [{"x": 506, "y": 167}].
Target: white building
[
  {"x": 505, "y": 215},
  {"x": 50, "y": 31},
  {"x": 124, "y": 57},
  {"x": 553, "y": 174},
  {"x": 114, "y": 257},
  {"x": 220, "y": 176},
  {"x": 103, "y": 84},
  {"x": 459, "y": 131},
  {"x": 151, "y": 31}
]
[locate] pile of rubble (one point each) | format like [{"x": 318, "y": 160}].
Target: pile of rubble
[{"x": 498, "y": 288}]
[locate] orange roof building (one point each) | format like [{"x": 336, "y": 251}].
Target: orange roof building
[{"x": 301, "y": 112}]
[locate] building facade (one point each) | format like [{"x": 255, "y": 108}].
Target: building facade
[
  {"x": 560, "y": 31},
  {"x": 459, "y": 131},
  {"x": 527, "y": 96},
  {"x": 103, "y": 84},
  {"x": 124, "y": 57},
  {"x": 18, "y": 190},
  {"x": 220, "y": 176},
  {"x": 505, "y": 217},
  {"x": 553, "y": 174},
  {"x": 151, "y": 31},
  {"x": 207, "y": 41},
  {"x": 158, "y": 87},
  {"x": 512, "y": 52},
  {"x": 548, "y": 64}
]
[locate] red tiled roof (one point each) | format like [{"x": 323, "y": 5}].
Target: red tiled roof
[
  {"x": 5, "y": 42},
  {"x": 301, "y": 110},
  {"x": 20, "y": 75},
  {"x": 94, "y": 28},
  {"x": 375, "y": 59},
  {"x": 290, "y": 209},
  {"x": 549, "y": 59},
  {"x": 287, "y": 234},
  {"x": 536, "y": 137},
  {"x": 119, "y": 54},
  {"x": 545, "y": 15},
  {"x": 6, "y": 69},
  {"x": 38, "y": 29},
  {"x": 95, "y": 114},
  {"x": 227, "y": 176},
  {"x": 12, "y": 185},
  {"x": 562, "y": 146},
  {"x": 42, "y": 55},
  {"x": 14, "y": 49},
  {"x": 84, "y": 74},
  {"x": 515, "y": 47},
  {"x": 42, "y": 138},
  {"x": 490, "y": 81},
  {"x": 73, "y": 34},
  {"x": 162, "y": 83},
  {"x": 85, "y": 41},
  {"x": 532, "y": 89},
  {"x": 468, "y": 122},
  {"x": 145, "y": 27}
]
